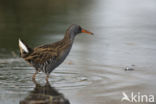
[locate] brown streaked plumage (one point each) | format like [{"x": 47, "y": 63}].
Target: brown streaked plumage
[{"x": 47, "y": 57}]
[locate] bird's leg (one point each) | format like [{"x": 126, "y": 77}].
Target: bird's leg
[
  {"x": 34, "y": 75},
  {"x": 47, "y": 77},
  {"x": 34, "y": 80}
]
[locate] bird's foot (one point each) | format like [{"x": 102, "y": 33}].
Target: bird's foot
[
  {"x": 47, "y": 77},
  {"x": 34, "y": 76}
]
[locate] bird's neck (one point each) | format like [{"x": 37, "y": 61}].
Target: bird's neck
[{"x": 69, "y": 37}]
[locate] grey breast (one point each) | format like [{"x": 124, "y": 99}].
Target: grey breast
[{"x": 52, "y": 63}]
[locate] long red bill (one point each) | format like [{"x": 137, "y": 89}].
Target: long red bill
[{"x": 85, "y": 31}]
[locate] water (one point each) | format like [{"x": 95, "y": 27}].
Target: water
[{"x": 94, "y": 72}]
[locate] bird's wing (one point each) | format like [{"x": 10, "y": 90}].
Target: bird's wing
[
  {"x": 41, "y": 55},
  {"x": 47, "y": 52},
  {"x": 58, "y": 47}
]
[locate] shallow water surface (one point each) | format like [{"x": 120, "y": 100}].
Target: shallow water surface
[{"x": 94, "y": 72}]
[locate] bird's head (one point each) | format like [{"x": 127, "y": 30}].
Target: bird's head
[{"x": 76, "y": 29}]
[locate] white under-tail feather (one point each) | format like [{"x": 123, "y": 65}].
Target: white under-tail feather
[{"x": 23, "y": 46}]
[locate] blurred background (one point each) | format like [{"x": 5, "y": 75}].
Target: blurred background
[{"x": 93, "y": 73}]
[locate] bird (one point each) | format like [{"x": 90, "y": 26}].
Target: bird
[{"x": 46, "y": 58}]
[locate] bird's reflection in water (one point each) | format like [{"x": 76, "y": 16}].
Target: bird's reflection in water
[{"x": 44, "y": 95}]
